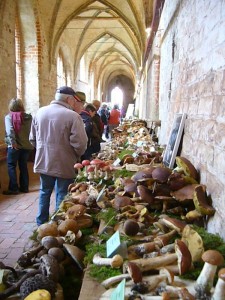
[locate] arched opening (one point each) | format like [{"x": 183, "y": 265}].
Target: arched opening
[{"x": 117, "y": 97}]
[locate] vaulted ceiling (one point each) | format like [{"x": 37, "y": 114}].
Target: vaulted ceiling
[{"x": 110, "y": 34}]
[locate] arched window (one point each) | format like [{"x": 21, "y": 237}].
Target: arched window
[{"x": 18, "y": 59}]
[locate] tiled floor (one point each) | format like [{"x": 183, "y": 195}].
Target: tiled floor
[{"x": 17, "y": 218}]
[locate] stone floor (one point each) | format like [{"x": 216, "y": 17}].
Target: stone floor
[{"x": 17, "y": 218}]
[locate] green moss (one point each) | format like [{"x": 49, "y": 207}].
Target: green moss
[
  {"x": 123, "y": 173},
  {"x": 210, "y": 241},
  {"x": 101, "y": 273},
  {"x": 125, "y": 152},
  {"x": 108, "y": 216},
  {"x": 92, "y": 249}
]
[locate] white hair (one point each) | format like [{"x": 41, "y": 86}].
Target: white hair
[{"x": 61, "y": 97}]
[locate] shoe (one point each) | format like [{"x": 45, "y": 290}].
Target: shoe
[
  {"x": 24, "y": 191},
  {"x": 8, "y": 192}
]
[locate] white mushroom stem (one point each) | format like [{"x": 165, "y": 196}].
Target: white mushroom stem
[
  {"x": 113, "y": 280},
  {"x": 146, "y": 264},
  {"x": 219, "y": 292},
  {"x": 206, "y": 277},
  {"x": 115, "y": 262}
]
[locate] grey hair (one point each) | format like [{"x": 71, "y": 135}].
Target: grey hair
[
  {"x": 16, "y": 105},
  {"x": 61, "y": 97}
]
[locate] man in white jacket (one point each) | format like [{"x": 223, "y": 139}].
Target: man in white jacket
[{"x": 58, "y": 134}]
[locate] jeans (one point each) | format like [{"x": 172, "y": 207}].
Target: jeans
[
  {"x": 47, "y": 184},
  {"x": 19, "y": 156}
]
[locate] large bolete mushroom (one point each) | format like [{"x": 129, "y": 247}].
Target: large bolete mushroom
[
  {"x": 47, "y": 229},
  {"x": 200, "y": 201},
  {"x": 187, "y": 167},
  {"x": 67, "y": 225}
]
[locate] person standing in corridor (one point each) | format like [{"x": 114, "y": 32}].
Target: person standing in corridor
[
  {"x": 114, "y": 119},
  {"x": 58, "y": 134},
  {"x": 17, "y": 129}
]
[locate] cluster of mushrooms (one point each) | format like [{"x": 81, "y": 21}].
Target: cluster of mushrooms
[{"x": 154, "y": 208}]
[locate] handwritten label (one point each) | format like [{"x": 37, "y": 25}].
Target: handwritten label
[
  {"x": 116, "y": 162},
  {"x": 119, "y": 292},
  {"x": 101, "y": 194},
  {"x": 139, "y": 143},
  {"x": 113, "y": 244}
]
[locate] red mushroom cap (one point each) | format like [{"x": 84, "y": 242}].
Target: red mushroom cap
[
  {"x": 96, "y": 162},
  {"x": 86, "y": 162},
  {"x": 90, "y": 168},
  {"x": 78, "y": 166}
]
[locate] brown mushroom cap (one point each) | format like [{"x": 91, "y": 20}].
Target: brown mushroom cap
[
  {"x": 49, "y": 242},
  {"x": 58, "y": 253},
  {"x": 66, "y": 225},
  {"x": 121, "y": 201},
  {"x": 75, "y": 211},
  {"x": 76, "y": 254},
  {"x": 184, "y": 259},
  {"x": 221, "y": 274},
  {"x": 161, "y": 174},
  {"x": 47, "y": 229},
  {"x": 187, "y": 167},
  {"x": 134, "y": 272},
  {"x": 173, "y": 223},
  {"x": 146, "y": 173},
  {"x": 131, "y": 227},
  {"x": 213, "y": 257}
]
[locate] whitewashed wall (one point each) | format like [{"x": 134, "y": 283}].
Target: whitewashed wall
[{"x": 192, "y": 81}]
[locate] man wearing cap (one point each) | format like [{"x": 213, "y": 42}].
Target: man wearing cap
[{"x": 58, "y": 134}]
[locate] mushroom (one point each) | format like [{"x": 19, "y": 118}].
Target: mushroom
[
  {"x": 58, "y": 253},
  {"x": 49, "y": 242},
  {"x": 212, "y": 259},
  {"x": 194, "y": 242},
  {"x": 75, "y": 211},
  {"x": 50, "y": 267},
  {"x": 78, "y": 167},
  {"x": 146, "y": 264},
  {"x": 96, "y": 162},
  {"x": 219, "y": 291},
  {"x": 131, "y": 227},
  {"x": 200, "y": 201},
  {"x": 164, "y": 239},
  {"x": 115, "y": 262},
  {"x": 173, "y": 223},
  {"x": 134, "y": 272},
  {"x": 161, "y": 174},
  {"x": 76, "y": 254},
  {"x": 187, "y": 167},
  {"x": 182, "y": 256},
  {"x": 47, "y": 229},
  {"x": 85, "y": 163},
  {"x": 90, "y": 172},
  {"x": 184, "y": 260},
  {"x": 107, "y": 283},
  {"x": 66, "y": 225}
]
